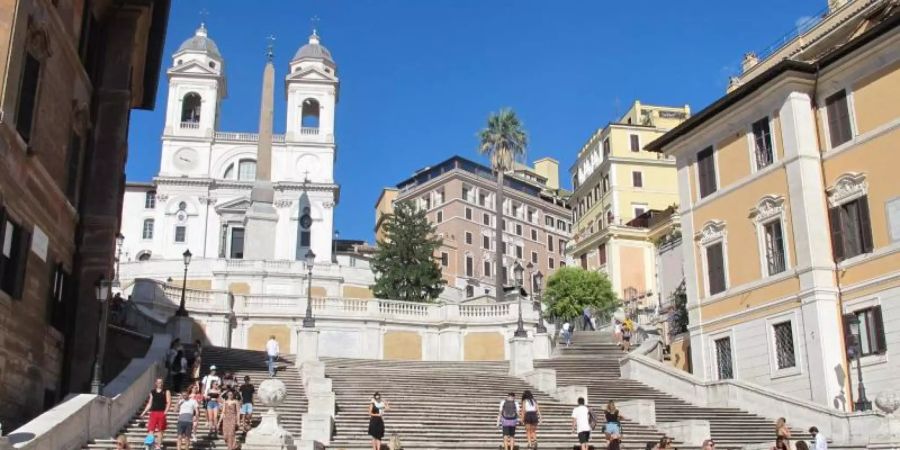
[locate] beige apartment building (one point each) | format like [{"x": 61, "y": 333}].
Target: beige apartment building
[
  {"x": 790, "y": 209},
  {"x": 458, "y": 195},
  {"x": 620, "y": 194}
]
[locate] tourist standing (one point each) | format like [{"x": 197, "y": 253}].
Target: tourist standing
[
  {"x": 212, "y": 407},
  {"x": 179, "y": 370},
  {"x": 617, "y": 331},
  {"x": 272, "y": 354},
  {"x": 209, "y": 379},
  {"x": 581, "y": 423},
  {"x": 782, "y": 432},
  {"x": 566, "y": 333},
  {"x": 820, "y": 442},
  {"x": 247, "y": 391},
  {"x": 613, "y": 427},
  {"x": 508, "y": 419},
  {"x": 228, "y": 420},
  {"x": 188, "y": 411},
  {"x": 586, "y": 319},
  {"x": 626, "y": 337},
  {"x": 376, "y": 420},
  {"x": 197, "y": 361},
  {"x": 532, "y": 414},
  {"x": 198, "y": 398},
  {"x": 158, "y": 403}
]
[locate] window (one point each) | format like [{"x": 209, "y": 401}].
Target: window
[
  {"x": 584, "y": 261},
  {"x": 229, "y": 172},
  {"x": 530, "y": 215},
  {"x": 486, "y": 242},
  {"x": 605, "y": 183},
  {"x": 14, "y": 245},
  {"x": 56, "y": 308},
  {"x": 562, "y": 247},
  {"x": 784, "y": 345},
  {"x": 635, "y": 143},
  {"x": 465, "y": 194},
  {"x": 470, "y": 269},
  {"x": 304, "y": 238},
  {"x": 237, "y": 243},
  {"x": 147, "y": 231},
  {"x": 247, "y": 170},
  {"x": 190, "y": 110},
  {"x": 762, "y": 143},
  {"x": 73, "y": 168},
  {"x": 715, "y": 268},
  {"x": 871, "y": 331},
  {"x": 487, "y": 268},
  {"x": 639, "y": 209},
  {"x": 426, "y": 202},
  {"x": 309, "y": 114},
  {"x": 550, "y": 263},
  {"x": 470, "y": 291},
  {"x": 549, "y": 243},
  {"x": 519, "y": 229},
  {"x": 838, "y": 112},
  {"x": 774, "y": 246},
  {"x": 534, "y": 257},
  {"x": 486, "y": 219},
  {"x": 445, "y": 259},
  {"x": 482, "y": 199},
  {"x": 519, "y": 251},
  {"x": 504, "y": 275},
  {"x": 706, "y": 171},
  {"x": 606, "y": 148},
  {"x": 851, "y": 231},
  {"x": 28, "y": 90},
  {"x": 534, "y": 234},
  {"x": 724, "y": 365},
  {"x": 548, "y": 221},
  {"x": 180, "y": 232},
  {"x": 150, "y": 200},
  {"x": 601, "y": 254},
  {"x": 637, "y": 179},
  {"x": 503, "y": 224},
  {"x": 440, "y": 216},
  {"x": 468, "y": 213},
  {"x": 503, "y": 248},
  {"x": 468, "y": 238}
]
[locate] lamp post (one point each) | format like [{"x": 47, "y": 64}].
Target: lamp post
[
  {"x": 854, "y": 349},
  {"x": 538, "y": 285},
  {"x": 120, "y": 241},
  {"x": 337, "y": 234},
  {"x": 182, "y": 311},
  {"x": 101, "y": 293},
  {"x": 309, "y": 321},
  {"x": 517, "y": 272}
]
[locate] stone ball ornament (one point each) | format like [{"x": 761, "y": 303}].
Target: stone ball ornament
[
  {"x": 272, "y": 392},
  {"x": 888, "y": 402}
]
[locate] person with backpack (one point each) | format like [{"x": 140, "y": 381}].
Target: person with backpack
[
  {"x": 532, "y": 414},
  {"x": 583, "y": 421},
  {"x": 508, "y": 420}
]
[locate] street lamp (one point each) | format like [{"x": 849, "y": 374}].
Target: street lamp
[
  {"x": 854, "y": 350},
  {"x": 538, "y": 285},
  {"x": 530, "y": 268},
  {"x": 517, "y": 273},
  {"x": 120, "y": 241},
  {"x": 309, "y": 321},
  {"x": 182, "y": 311},
  {"x": 101, "y": 293},
  {"x": 337, "y": 234}
]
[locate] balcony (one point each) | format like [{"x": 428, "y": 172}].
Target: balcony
[
  {"x": 309, "y": 131},
  {"x": 190, "y": 125}
]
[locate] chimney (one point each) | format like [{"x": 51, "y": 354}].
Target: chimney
[
  {"x": 549, "y": 169},
  {"x": 750, "y": 60}
]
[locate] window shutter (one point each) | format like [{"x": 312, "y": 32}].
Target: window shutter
[
  {"x": 846, "y": 325},
  {"x": 715, "y": 259},
  {"x": 843, "y": 113},
  {"x": 865, "y": 225},
  {"x": 22, "y": 257},
  {"x": 879, "y": 330},
  {"x": 837, "y": 241}
]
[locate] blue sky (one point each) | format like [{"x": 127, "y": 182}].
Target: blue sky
[{"x": 419, "y": 77}]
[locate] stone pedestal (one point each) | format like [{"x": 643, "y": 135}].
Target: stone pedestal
[
  {"x": 887, "y": 437},
  {"x": 521, "y": 355},
  {"x": 317, "y": 428},
  {"x": 307, "y": 346},
  {"x": 541, "y": 346},
  {"x": 640, "y": 411},
  {"x": 261, "y": 221},
  {"x": 269, "y": 435},
  {"x": 182, "y": 327},
  {"x": 686, "y": 430}
]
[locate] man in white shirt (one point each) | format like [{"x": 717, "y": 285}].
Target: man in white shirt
[
  {"x": 581, "y": 423},
  {"x": 566, "y": 333},
  {"x": 820, "y": 442},
  {"x": 209, "y": 379},
  {"x": 271, "y": 354},
  {"x": 187, "y": 410}
]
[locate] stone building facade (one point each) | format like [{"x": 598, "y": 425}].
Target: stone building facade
[{"x": 72, "y": 72}]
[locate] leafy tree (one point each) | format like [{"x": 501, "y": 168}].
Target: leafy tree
[
  {"x": 679, "y": 318},
  {"x": 404, "y": 264},
  {"x": 571, "y": 289},
  {"x": 503, "y": 140}
]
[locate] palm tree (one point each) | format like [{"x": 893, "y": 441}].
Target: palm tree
[{"x": 503, "y": 140}]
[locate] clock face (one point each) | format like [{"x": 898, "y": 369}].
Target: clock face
[
  {"x": 305, "y": 221},
  {"x": 186, "y": 159}
]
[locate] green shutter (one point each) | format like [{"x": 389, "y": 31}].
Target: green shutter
[
  {"x": 837, "y": 241},
  {"x": 865, "y": 225},
  {"x": 880, "y": 340}
]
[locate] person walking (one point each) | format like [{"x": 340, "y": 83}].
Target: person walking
[
  {"x": 532, "y": 414},
  {"x": 820, "y": 442},
  {"x": 617, "y": 331},
  {"x": 582, "y": 424},
  {"x": 212, "y": 408},
  {"x": 188, "y": 411},
  {"x": 566, "y": 333},
  {"x": 508, "y": 419},
  {"x": 376, "y": 420},
  {"x": 626, "y": 337},
  {"x": 198, "y": 398},
  {"x": 228, "y": 420},
  {"x": 179, "y": 371},
  {"x": 272, "y": 354},
  {"x": 247, "y": 391},
  {"x": 782, "y": 432},
  {"x": 158, "y": 403},
  {"x": 209, "y": 379},
  {"x": 586, "y": 319},
  {"x": 613, "y": 427},
  {"x": 196, "y": 361}
]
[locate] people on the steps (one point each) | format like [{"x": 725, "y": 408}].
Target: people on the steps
[
  {"x": 209, "y": 379},
  {"x": 617, "y": 331},
  {"x": 158, "y": 403},
  {"x": 613, "y": 427},
  {"x": 801, "y": 445},
  {"x": 188, "y": 410},
  {"x": 212, "y": 407},
  {"x": 665, "y": 443},
  {"x": 122, "y": 442},
  {"x": 582, "y": 423},
  {"x": 508, "y": 420},
  {"x": 196, "y": 360},
  {"x": 247, "y": 390},
  {"x": 820, "y": 442},
  {"x": 781, "y": 444},
  {"x": 179, "y": 370},
  {"x": 782, "y": 432},
  {"x": 197, "y": 396},
  {"x": 377, "y": 407},
  {"x": 566, "y": 333},
  {"x": 708, "y": 444},
  {"x": 272, "y": 354},
  {"x": 531, "y": 414},
  {"x": 586, "y": 319},
  {"x": 627, "y": 331},
  {"x": 228, "y": 419}
]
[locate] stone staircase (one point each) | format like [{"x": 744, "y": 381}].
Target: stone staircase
[
  {"x": 593, "y": 361},
  {"x": 444, "y": 405},
  {"x": 242, "y": 362}
]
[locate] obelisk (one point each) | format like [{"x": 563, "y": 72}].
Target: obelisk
[{"x": 261, "y": 218}]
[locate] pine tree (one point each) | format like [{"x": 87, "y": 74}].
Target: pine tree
[{"x": 404, "y": 264}]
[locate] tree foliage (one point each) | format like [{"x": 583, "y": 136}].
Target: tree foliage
[
  {"x": 404, "y": 263},
  {"x": 571, "y": 289},
  {"x": 679, "y": 318}
]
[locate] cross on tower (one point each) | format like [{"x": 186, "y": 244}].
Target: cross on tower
[
  {"x": 270, "y": 48},
  {"x": 314, "y": 23},
  {"x": 204, "y": 14}
]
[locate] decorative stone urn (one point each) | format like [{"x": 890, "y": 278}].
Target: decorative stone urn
[
  {"x": 888, "y": 434},
  {"x": 269, "y": 435}
]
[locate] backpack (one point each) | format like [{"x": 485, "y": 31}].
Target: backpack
[
  {"x": 592, "y": 419},
  {"x": 509, "y": 410}
]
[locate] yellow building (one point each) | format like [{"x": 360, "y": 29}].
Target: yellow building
[
  {"x": 790, "y": 209},
  {"x": 619, "y": 189}
]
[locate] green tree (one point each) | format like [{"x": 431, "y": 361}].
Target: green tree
[
  {"x": 679, "y": 318},
  {"x": 404, "y": 263},
  {"x": 503, "y": 140},
  {"x": 571, "y": 289}
]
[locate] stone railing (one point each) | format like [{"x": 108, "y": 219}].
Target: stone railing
[
  {"x": 235, "y": 136},
  {"x": 190, "y": 125},
  {"x": 486, "y": 311},
  {"x": 84, "y": 417},
  {"x": 309, "y": 131}
]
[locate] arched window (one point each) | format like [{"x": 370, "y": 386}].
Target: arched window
[
  {"x": 310, "y": 113},
  {"x": 229, "y": 172},
  {"x": 190, "y": 108},
  {"x": 246, "y": 170},
  {"x": 143, "y": 255},
  {"x": 147, "y": 232}
]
